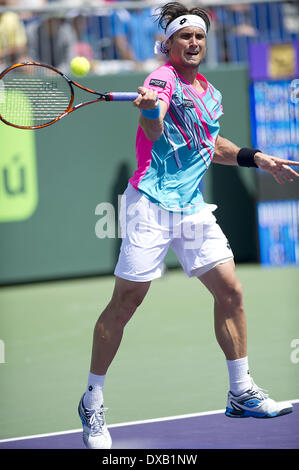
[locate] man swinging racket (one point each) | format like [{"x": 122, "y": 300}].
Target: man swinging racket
[{"x": 177, "y": 139}]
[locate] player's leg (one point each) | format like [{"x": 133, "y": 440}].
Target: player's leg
[
  {"x": 244, "y": 398},
  {"x": 206, "y": 254},
  {"x": 144, "y": 246},
  {"x": 108, "y": 332},
  {"x": 230, "y": 322},
  {"x": 229, "y": 314}
]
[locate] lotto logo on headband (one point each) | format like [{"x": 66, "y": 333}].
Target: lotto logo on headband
[
  {"x": 184, "y": 21},
  {"x": 176, "y": 25}
]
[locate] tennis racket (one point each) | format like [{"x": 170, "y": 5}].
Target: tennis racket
[{"x": 34, "y": 95}]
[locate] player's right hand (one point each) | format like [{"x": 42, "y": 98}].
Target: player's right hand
[{"x": 147, "y": 98}]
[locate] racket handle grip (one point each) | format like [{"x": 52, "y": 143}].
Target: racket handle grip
[{"x": 121, "y": 96}]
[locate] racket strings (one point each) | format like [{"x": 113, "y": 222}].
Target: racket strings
[{"x": 33, "y": 96}]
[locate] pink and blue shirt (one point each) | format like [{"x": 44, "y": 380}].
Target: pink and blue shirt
[{"x": 170, "y": 169}]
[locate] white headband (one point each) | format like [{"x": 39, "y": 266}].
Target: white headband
[{"x": 181, "y": 22}]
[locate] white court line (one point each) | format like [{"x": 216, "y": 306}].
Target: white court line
[{"x": 129, "y": 423}]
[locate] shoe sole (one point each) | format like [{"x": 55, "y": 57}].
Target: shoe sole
[{"x": 251, "y": 414}]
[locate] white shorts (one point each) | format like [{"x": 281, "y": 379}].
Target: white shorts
[{"x": 148, "y": 231}]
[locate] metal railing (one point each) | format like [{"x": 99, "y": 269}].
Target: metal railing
[{"x": 119, "y": 36}]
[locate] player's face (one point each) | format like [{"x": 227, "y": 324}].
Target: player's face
[{"x": 187, "y": 47}]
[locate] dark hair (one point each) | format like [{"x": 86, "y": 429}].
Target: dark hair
[{"x": 172, "y": 10}]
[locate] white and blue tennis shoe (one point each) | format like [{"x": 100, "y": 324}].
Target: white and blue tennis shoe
[
  {"x": 255, "y": 403},
  {"x": 95, "y": 431}
]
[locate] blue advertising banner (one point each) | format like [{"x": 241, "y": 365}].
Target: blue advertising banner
[
  {"x": 274, "y": 108},
  {"x": 275, "y": 117},
  {"x": 279, "y": 232}
]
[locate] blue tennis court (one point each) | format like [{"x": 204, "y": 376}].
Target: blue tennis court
[{"x": 210, "y": 430}]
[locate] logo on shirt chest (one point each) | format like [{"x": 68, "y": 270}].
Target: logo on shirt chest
[
  {"x": 157, "y": 82},
  {"x": 189, "y": 104}
]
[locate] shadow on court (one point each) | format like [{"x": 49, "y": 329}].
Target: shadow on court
[{"x": 212, "y": 431}]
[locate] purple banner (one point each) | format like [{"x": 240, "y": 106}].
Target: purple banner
[{"x": 273, "y": 61}]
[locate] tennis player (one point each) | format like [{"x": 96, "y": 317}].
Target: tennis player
[{"x": 177, "y": 139}]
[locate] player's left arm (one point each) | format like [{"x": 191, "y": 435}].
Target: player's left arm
[{"x": 226, "y": 153}]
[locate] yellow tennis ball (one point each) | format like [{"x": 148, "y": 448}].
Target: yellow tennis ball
[{"x": 80, "y": 66}]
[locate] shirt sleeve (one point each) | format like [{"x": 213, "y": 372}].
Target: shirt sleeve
[{"x": 162, "y": 80}]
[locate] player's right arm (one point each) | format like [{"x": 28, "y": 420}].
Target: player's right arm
[{"x": 147, "y": 99}]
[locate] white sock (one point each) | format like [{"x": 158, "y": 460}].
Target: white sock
[
  {"x": 93, "y": 398},
  {"x": 239, "y": 376}
]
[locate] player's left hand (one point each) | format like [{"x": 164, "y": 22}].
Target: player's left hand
[{"x": 279, "y": 168}]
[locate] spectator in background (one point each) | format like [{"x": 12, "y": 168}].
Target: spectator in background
[
  {"x": 51, "y": 40},
  {"x": 135, "y": 33},
  {"x": 241, "y": 20},
  {"x": 82, "y": 45},
  {"x": 235, "y": 30},
  {"x": 13, "y": 40},
  {"x": 291, "y": 17}
]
